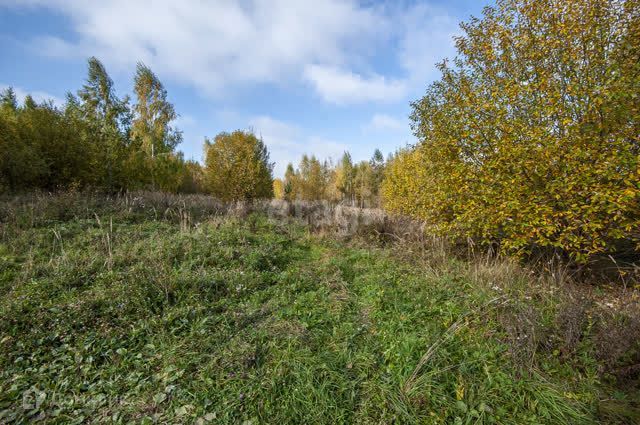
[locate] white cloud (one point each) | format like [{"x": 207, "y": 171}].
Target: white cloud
[
  {"x": 339, "y": 86},
  {"x": 184, "y": 121},
  {"x": 38, "y": 96},
  {"x": 277, "y": 134},
  {"x": 428, "y": 38},
  {"x": 335, "y": 46},
  {"x": 287, "y": 143},
  {"x": 324, "y": 148},
  {"x": 213, "y": 44},
  {"x": 387, "y": 123},
  {"x": 386, "y": 132},
  {"x": 424, "y": 36}
]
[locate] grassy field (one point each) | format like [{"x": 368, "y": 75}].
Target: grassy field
[{"x": 116, "y": 317}]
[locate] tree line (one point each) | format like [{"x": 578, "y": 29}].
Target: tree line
[
  {"x": 356, "y": 184},
  {"x": 95, "y": 139},
  {"x": 100, "y": 141}
]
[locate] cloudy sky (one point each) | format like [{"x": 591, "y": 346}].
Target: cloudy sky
[{"x": 310, "y": 76}]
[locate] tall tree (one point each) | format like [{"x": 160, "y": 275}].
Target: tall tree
[
  {"x": 151, "y": 129},
  {"x": 278, "y": 189},
  {"x": 364, "y": 184},
  {"x": 311, "y": 179},
  {"x": 8, "y": 100},
  {"x": 20, "y": 164},
  {"x": 344, "y": 178},
  {"x": 290, "y": 183},
  {"x": 377, "y": 175},
  {"x": 88, "y": 141},
  {"x": 107, "y": 118}
]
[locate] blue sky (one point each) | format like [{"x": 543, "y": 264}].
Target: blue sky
[{"x": 310, "y": 76}]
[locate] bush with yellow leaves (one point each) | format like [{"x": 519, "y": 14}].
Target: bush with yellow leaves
[{"x": 531, "y": 138}]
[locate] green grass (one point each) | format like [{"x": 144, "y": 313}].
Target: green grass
[{"x": 252, "y": 321}]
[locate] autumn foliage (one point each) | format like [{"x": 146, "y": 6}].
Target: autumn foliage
[
  {"x": 237, "y": 167},
  {"x": 349, "y": 183},
  {"x": 530, "y": 138}
]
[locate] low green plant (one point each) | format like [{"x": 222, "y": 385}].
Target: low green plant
[{"x": 225, "y": 320}]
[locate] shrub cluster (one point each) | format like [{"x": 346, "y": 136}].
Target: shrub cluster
[{"x": 530, "y": 137}]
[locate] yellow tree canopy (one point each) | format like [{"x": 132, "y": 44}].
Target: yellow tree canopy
[
  {"x": 531, "y": 136},
  {"x": 237, "y": 167}
]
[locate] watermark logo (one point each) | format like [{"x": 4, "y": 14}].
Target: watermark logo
[{"x": 32, "y": 399}]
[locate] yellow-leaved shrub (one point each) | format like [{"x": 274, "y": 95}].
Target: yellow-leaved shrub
[
  {"x": 531, "y": 138},
  {"x": 237, "y": 167}
]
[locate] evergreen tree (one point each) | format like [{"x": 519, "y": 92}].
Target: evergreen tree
[
  {"x": 8, "y": 100},
  {"x": 290, "y": 183},
  {"x": 345, "y": 177},
  {"x": 377, "y": 171}
]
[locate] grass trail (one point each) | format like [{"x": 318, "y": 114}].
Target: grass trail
[{"x": 253, "y": 321}]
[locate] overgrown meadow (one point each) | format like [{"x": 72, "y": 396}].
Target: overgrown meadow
[{"x": 155, "y": 309}]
